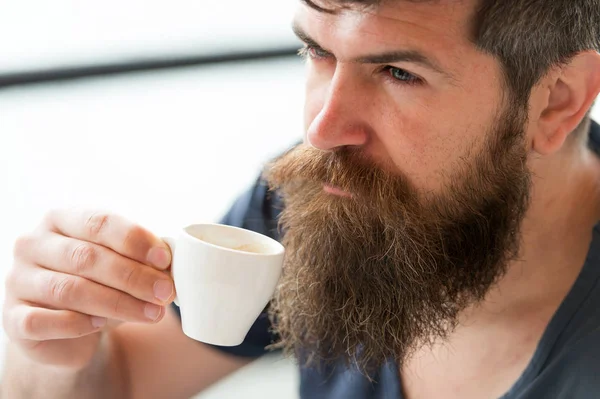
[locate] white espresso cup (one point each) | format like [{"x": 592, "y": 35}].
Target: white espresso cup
[{"x": 224, "y": 277}]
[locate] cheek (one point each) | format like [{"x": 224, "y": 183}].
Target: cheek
[
  {"x": 422, "y": 146},
  {"x": 410, "y": 143}
]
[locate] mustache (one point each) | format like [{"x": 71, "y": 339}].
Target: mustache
[{"x": 346, "y": 168}]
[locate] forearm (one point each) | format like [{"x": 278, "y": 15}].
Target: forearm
[{"x": 103, "y": 378}]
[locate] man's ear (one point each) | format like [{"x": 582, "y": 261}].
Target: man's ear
[{"x": 569, "y": 93}]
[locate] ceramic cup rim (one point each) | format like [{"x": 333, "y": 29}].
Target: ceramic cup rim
[{"x": 275, "y": 247}]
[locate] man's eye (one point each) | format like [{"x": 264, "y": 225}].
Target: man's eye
[
  {"x": 313, "y": 52},
  {"x": 399, "y": 75}
]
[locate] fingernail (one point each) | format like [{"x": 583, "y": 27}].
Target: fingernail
[
  {"x": 152, "y": 311},
  {"x": 159, "y": 257},
  {"x": 98, "y": 322},
  {"x": 163, "y": 289}
]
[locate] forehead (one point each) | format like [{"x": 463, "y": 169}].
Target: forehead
[
  {"x": 443, "y": 28},
  {"x": 392, "y": 8}
]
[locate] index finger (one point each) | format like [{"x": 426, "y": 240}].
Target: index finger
[{"x": 111, "y": 231}]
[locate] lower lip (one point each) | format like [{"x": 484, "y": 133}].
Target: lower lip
[{"x": 336, "y": 191}]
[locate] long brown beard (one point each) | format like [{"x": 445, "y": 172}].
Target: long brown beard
[{"x": 372, "y": 278}]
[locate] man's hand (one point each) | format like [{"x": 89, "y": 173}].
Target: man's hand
[{"x": 76, "y": 272}]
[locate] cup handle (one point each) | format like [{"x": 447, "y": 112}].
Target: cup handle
[{"x": 171, "y": 243}]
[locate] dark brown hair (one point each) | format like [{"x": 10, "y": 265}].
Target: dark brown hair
[{"x": 529, "y": 37}]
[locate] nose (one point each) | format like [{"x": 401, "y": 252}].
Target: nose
[{"x": 340, "y": 121}]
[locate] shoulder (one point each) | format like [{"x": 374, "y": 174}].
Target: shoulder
[
  {"x": 572, "y": 367},
  {"x": 257, "y": 209},
  {"x": 572, "y": 373},
  {"x": 567, "y": 364}
]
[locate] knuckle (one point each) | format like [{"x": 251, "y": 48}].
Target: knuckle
[
  {"x": 60, "y": 288},
  {"x": 97, "y": 223},
  {"x": 50, "y": 217},
  {"x": 133, "y": 237},
  {"x": 29, "y": 324},
  {"x": 23, "y": 245},
  {"x": 11, "y": 279},
  {"x": 83, "y": 257}
]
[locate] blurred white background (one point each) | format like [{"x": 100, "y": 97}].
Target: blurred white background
[{"x": 39, "y": 33}]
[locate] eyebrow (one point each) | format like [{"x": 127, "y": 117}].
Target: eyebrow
[{"x": 412, "y": 56}]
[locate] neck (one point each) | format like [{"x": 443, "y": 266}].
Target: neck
[{"x": 556, "y": 235}]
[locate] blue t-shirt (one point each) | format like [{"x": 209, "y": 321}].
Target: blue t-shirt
[{"x": 565, "y": 365}]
